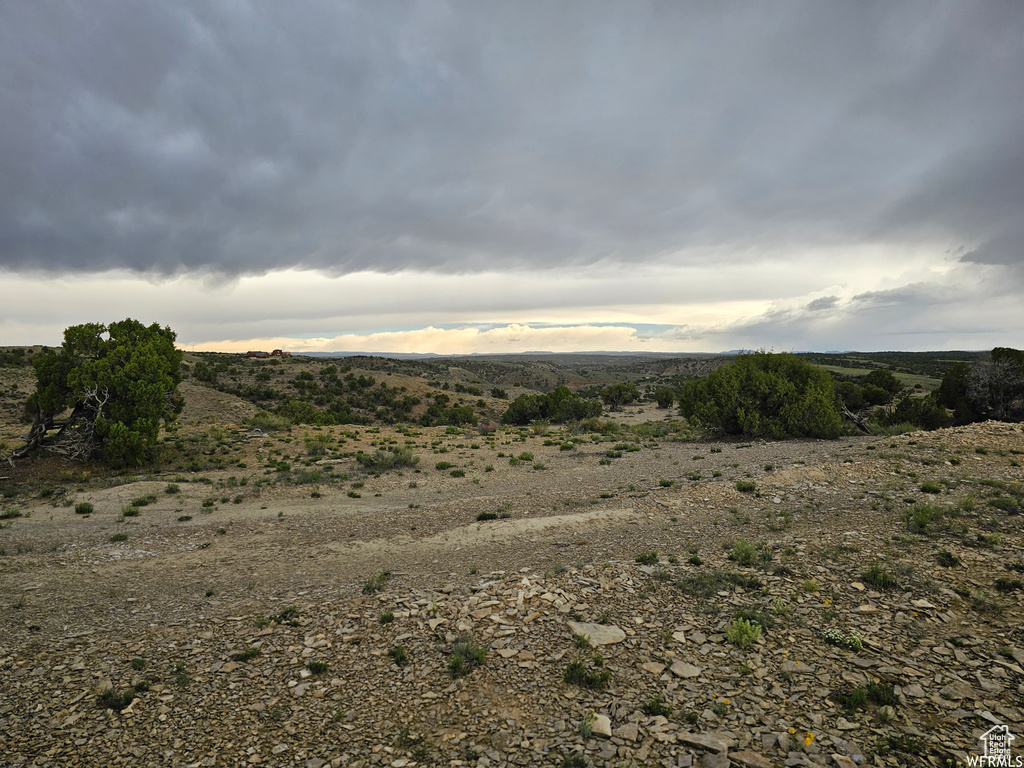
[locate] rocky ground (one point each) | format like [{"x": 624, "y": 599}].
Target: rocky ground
[{"x": 242, "y": 619}]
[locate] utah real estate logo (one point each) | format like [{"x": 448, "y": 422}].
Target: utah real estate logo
[{"x": 996, "y": 742}]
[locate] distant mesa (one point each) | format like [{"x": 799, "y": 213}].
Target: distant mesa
[{"x": 263, "y": 355}]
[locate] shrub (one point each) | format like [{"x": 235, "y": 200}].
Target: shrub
[
  {"x": 931, "y": 487},
  {"x": 746, "y": 486},
  {"x": 172, "y": 488},
  {"x": 878, "y": 577},
  {"x": 398, "y": 655},
  {"x": 743, "y": 552},
  {"x": 393, "y": 458},
  {"x": 558, "y": 406},
  {"x": 578, "y": 674},
  {"x": 318, "y": 445},
  {"x": 117, "y": 537},
  {"x": 921, "y": 516},
  {"x": 83, "y": 508},
  {"x": 742, "y": 633},
  {"x": 647, "y": 558},
  {"x": 268, "y": 422},
  {"x": 376, "y": 582},
  {"x": 764, "y": 395},
  {"x": 466, "y": 656},
  {"x": 842, "y": 639},
  {"x": 111, "y": 699},
  {"x": 317, "y": 667}
]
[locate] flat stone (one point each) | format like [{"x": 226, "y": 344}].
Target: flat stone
[
  {"x": 914, "y": 690},
  {"x": 923, "y": 604},
  {"x": 796, "y": 668},
  {"x": 956, "y": 691},
  {"x": 715, "y": 760},
  {"x": 653, "y": 667},
  {"x": 682, "y": 669},
  {"x": 716, "y": 742},
  {"x": 842, "y": 761},
  {"x": 628, "y": 732},
  {"x": 750, "y": 759},
  {"x": 858, "y": 586},
  {"x": 845, "y": 725},
  {"x": 599, "y": 634},
  {"x": 602, "y": 726},
  {"x": 866, "y": 608}
]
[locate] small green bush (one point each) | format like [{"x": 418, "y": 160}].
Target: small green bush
[
  {"x": 111, "y": 699},
  {"x": 83, "y": 508},
  {"x": 466, "y": 656},
  {"x": 399, "y": 655},
  {"x": 743, "y": 553},
  {"x": 746, "y": 486},
  {"x": 578, "y": 674},
  {"x": 742, "y": 633},
  {"x": 376, "y": 582},
  {"x": 878, "y": 577}
]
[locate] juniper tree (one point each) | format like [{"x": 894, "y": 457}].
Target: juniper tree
[{"x": 103, "y": 394}]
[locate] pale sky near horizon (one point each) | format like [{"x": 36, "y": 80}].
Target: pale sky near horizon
[{"x": 460, "y": 176}]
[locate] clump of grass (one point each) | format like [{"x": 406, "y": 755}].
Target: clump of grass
[
  {"x": 931, "y": 486},
  {"x": 288, "y": 617},
  {"x": 705, "y": 585},
  {"x": 1003, "y": 584},
  {"x": 742, "y": 633},
  {"x": 119, "y": 537},
  {"x": 172, "y": 488},
  {"x": 317, "y": 667},
  {"x": 762, "y": 619},
  {"x": 577, "y": 673},
  {"x": 387, "y": 617},
  {"x": 398, "y": 655},
  {"x": 376, "y": 582},
  {"x": 743, "y": 553},
  {"x": 318, "y": 445},
  {"x": 130, "y": 511},
  {"x": 84, "y": 508},
  {"x": 947, "y": 559},
  {"x": 746, "y": 486},
  {"x": 656, "y": 707},
  {"x": 139, "y": 663},
  {"x": 110, "y": 698},
  {"x": 247, "y": 655},
  {"x": 879, "y": 693},
  {"x": 143, "y": 501},
  {"x": 466, "y": 656},
  {"x": 647, "y": 558},
  {"x": 382, "y": 461},
  {"x": 879, "y": 578},
  {"x": 921, "y": 516},
  {"x": 666, "y": 483}
]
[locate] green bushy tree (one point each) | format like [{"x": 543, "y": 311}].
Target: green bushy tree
[
  {"x": 617, "y": 395},
  {"x": 664, "y": 397},
  {"x": 764, "y": 395},
  {"x": 559, "y": 406},
  {"x": 118, "y": 381}
]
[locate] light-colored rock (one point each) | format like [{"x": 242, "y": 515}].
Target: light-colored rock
[
  {"x": 685, "y": 670},
  {"x": 711, "y": 740},
  {"x": 628, "y": 732},
  {"x": 653, "y": 667},
  {"x": 602, "y": 726},
  {"x": 598, "y": 634},
  {"x": 750, "y": 759}
]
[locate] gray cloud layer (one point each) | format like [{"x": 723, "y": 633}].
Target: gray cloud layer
[{"x": 246, "y": 136}]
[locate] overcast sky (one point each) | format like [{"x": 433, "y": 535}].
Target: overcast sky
[{"x": 493, "y": 177}]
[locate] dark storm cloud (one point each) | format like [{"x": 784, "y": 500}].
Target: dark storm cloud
[
  {"x": 238, "y": 137},
  {"x": 825, "y": 302}
]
